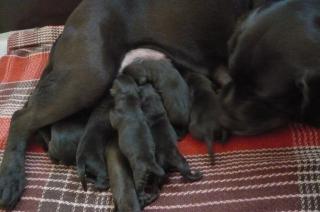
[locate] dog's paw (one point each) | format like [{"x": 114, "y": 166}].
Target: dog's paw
[
  {"x": 12, "y": 182},
  {"x": 143, "y": 172},
  {"x": 192, "y": 176},
  {"x": 91, "y": 166},
  {"x": 146, "y": 199}
]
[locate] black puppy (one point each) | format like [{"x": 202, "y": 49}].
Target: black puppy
[
  {"x": 62, "y": 138},
  {"x": 121, "y": 179},
  {"x": 204, "y": 124},
  {"x": 167, "y": 153},
  {"x": 87, "y": 58},
  {"x": 135, "y": 139},
  {"x": 274, "y": 65},
  {"x": 159, "y": 71},
  {"x": 90, "y": 154}
]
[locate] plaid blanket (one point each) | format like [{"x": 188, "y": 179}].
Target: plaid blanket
[{"x": 278, "y": 171}]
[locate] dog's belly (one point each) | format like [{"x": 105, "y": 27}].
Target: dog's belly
[
  {"x": 140, "y": 54},
  {"x": 192, "y": 34}
]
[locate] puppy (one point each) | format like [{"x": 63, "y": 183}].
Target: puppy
[
  {"x": 90, "y": 154},
  {"x": 204, "y": 123},
  {"x": 121, "y": 179},
  {"x": 135, "y": 138},
  {"x": 149, "y": 66},
  {"x": 62, "y": 138},
  {"x": 275, "y": 78},
  {"x": 167, "y": 153}
]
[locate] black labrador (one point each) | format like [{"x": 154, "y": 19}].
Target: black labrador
[
  {"x": 274, "y": 65},
  {"x": 88, "y": 54}
]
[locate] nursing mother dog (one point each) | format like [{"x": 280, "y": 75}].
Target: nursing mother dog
[
  {"x": 275, "y": 67},
  {"x": 86, "y": 59}
]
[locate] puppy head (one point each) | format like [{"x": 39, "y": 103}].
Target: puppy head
[
  {"x": 137, "y": 71},
  {"x": 148, "y": 93},
  {"x": 124, "y": 85},
  {"x": 269, "y": 55}
]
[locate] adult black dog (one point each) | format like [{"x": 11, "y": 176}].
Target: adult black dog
[
  {"x": 87, "y": 57},
  {"x": 274, "y": 65}
]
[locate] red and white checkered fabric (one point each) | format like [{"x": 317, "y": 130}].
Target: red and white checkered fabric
[
  {"x": 32, "y": 38},
  {"x": 278, "y": 171}
]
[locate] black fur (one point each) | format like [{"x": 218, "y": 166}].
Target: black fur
[
  {"x": 274, "y": 64},
  {"x": 90, "y": 153},
  {"x": 87, "y": 58},
  {"x": 167, "y": 153},
  {"x": 121, "y": 179},
  {"x": 62, "y": 138},
  {"x": 204, "y": 124},
  {"x": 168, "y": 82},
  {"x": 135, "y": 138}
]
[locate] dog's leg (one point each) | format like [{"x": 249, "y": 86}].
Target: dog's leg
[
  {"x": 53, "y": 100},
  {"x": 90, "y": 152},
  {"x": 177, "y": 161}
]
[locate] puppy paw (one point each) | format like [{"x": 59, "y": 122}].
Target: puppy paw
[
  {"x": 143, "y": 173},
  {"x": 192, "y": 176},
  {"x": 91, "y": 166},
  {"x": 146, "y": 199},
  {"x": 12, "y": 182}
]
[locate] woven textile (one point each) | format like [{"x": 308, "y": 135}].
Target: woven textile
[{"x": 278, "y": 171}]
